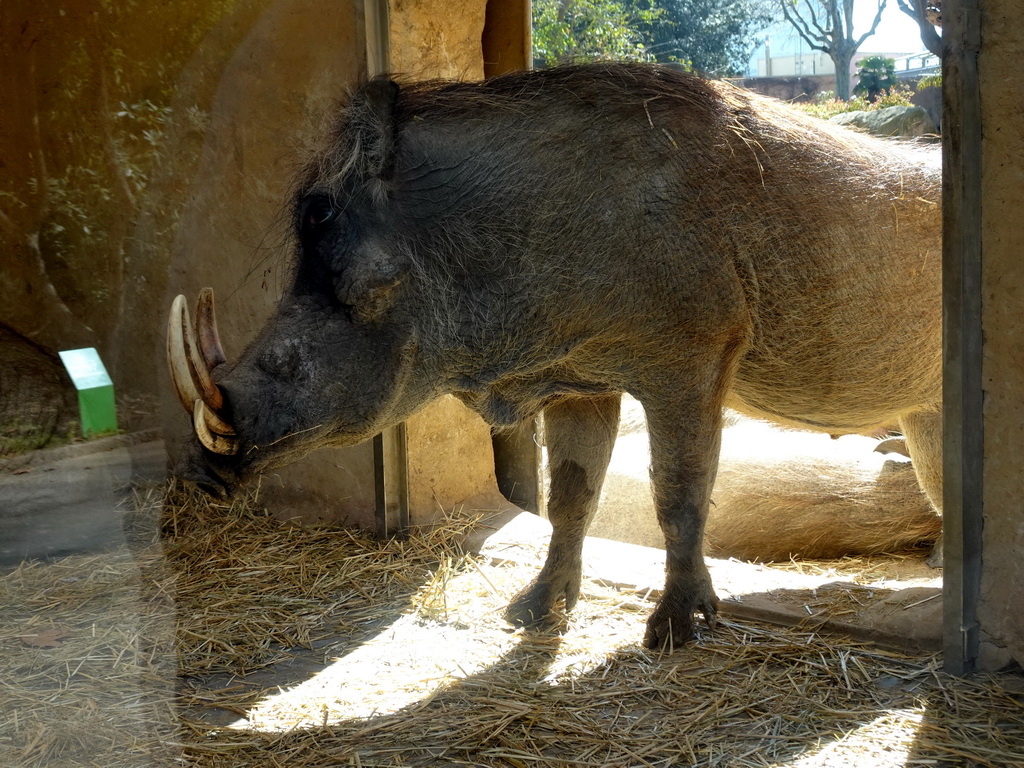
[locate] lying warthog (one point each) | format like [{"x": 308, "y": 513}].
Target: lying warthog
[
  {"x": 818, "y": 509},
  {"x": 779, "y": 494},
  {"x": 550, "y": 239}
]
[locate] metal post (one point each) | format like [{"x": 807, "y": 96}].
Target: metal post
[
  {"x": 391, "y": 482},
  {"x": 963, "y": 491},
  {"x": 378, "y": 41},
  {"x": 390, "y": 448}
]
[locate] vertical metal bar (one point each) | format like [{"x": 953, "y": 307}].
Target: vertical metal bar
[
  {"x": 391, "y": 481},
  {"x": 378, "y": 41},
  {"x": 963, "y": 493},
  {"x": 390, "y": 448}
]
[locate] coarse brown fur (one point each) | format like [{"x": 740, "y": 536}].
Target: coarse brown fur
[
  {"x": 548, "y": 240},
  {"x": 816, "y": 509},
  {"x": 779, "y": 495}
]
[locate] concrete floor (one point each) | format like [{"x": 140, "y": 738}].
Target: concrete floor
[{"x": 62, "y": 502}]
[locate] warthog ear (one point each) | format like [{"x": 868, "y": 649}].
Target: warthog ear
[
  {"x": 372, "y": 120},
  {"x": 369, "y": 285}
]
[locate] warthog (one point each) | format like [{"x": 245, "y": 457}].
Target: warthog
[{"x": 547, "y": 240}]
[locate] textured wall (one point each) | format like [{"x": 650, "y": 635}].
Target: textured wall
[
  {"x": 231, "y": 231},
  {"x": 1002, "y": 94},
  {"x": 96, "y": 96},
  {"x": 437, "y": 38}
]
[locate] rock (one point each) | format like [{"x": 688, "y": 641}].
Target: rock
[{"x": 897, "y": 122}]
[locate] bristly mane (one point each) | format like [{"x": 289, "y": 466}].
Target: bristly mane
[
  {"x": 361, "y": 140},
  {"x": 609, "y": 84}
]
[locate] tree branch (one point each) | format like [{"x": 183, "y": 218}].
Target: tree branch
[
  {"x": 922, "y": 11},
  {"x": 847, "y": 18},
  {"x": 824, "y": 33},
  {"x": 874, "y": 26},
  {"x": 818, "y": 43}
]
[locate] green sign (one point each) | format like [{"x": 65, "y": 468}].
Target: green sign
[{"x": 95, "y": 390}]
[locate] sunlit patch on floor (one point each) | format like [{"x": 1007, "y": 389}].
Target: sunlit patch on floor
[
  {"x": 886, "y": 742},
  {"x": 401, "y": 666},
  {"x": 455, "y": 631}
]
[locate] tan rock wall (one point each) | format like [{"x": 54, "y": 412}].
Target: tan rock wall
[
  {"x": 230, "y": 233},
  {"x": 450, "y": 461},
  {"x": 437, "y": 38},
  {"x": 91, "y": 95}
]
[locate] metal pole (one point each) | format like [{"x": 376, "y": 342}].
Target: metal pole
[
  {"x": 378, "y": 41},
  {"x": 390, "y": 448},
  {"x": 963, "y": 463},
  {"x": 391, "y": 481}
]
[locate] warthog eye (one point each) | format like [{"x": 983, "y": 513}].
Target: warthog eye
[{"x": 317, "y": 213}]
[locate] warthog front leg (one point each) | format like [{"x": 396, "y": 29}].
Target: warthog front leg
[{"x": 580, "y": 434}]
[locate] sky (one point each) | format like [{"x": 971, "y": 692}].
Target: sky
[{"x": 897, "y": 32}]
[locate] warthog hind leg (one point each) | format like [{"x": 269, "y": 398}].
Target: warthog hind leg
[
  {"x": 685, "y": 426},
  {"x": 580, "y": 434}
]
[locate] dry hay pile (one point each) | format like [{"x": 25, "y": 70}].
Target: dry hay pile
[{"x": 235, "y": 640}]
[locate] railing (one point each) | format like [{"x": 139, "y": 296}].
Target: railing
[{"x": 918, "y": 64}]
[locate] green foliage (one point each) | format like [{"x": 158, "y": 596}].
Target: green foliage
[
  {"x": 714, "y": 36},
  {"x": 588, "y": 30},
  {"x": 89, "y": 202},
  {"x": 894, "y": 97},
  {"x": 877, "y": 75},
  {"x": 826, "y": 105},
  {"x": 101, "y": 83},
  {"x": 932, "y": 81}
]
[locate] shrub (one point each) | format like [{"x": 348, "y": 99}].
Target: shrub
[
  {"x": 877, "y": 76},
  {"x": 826, "y": 105}
]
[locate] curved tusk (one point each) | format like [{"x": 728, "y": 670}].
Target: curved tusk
[
  {"x": 197, "y": 368},
  {"x": 177, "y": 360},
  {"x": 206, "y": 330},
  {"x": 217, "y": 424},
  {"x": 189, "y": 373},
  {"x": 222, "y": 444}
]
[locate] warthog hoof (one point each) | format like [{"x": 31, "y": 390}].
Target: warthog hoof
[
  {"x": 671, "y": 624},
  {"x": 534, "y": 603}
]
